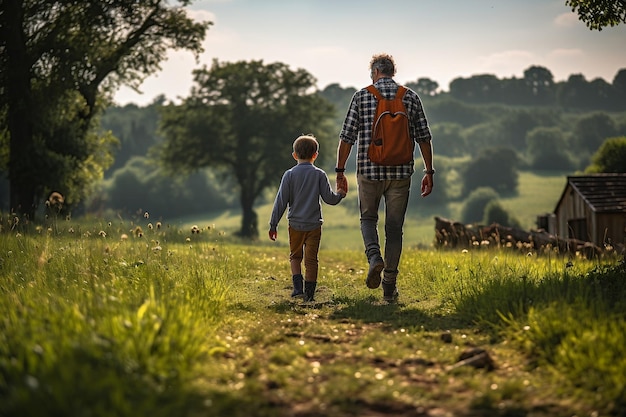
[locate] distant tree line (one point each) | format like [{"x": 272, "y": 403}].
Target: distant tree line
[{"x": 480, "y": 146}]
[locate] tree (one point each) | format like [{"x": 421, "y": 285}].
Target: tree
[
  {"x": 598, "y": 14},
  {"x": 495, "y": 168},
  {"x": 474, "y": 207},
  {"x": 592, "y": 130},
  {"x": 450, "y": 139},
  {"x": 540, "y": 84},
  {"x": 611, "y": 157},
  {"x": 60, "y": 62},
  {"x": 547, "y": 149},
  {"x": 619, "y": 88},
  {"x": 243, "y": 117},
  {"x": 424, "y": 87},
  {"x": 495, "y": 213}
]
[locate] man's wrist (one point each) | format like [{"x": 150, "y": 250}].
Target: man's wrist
[
  {"x": 429, "y": 171},
  {"x": 340, "y": 170}
]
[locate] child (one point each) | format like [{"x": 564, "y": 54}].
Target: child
[{"x": 301, "y": 188}]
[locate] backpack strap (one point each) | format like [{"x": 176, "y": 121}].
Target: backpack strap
[{"x": 374, "y": 91}]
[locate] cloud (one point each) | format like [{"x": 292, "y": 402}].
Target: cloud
[
  {"x": 512, "y": 61},
  {"x": 201, "y": 15},
  {"x": 566, "y": 53},
  {"x": 566, "y": 20}
]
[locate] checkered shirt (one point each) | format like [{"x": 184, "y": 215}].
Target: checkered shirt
[{"x": 357, "y": 128}]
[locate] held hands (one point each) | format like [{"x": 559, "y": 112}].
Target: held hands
[
  {"x": 342, "y": 184},
  {"x": 273, "y": 234}
]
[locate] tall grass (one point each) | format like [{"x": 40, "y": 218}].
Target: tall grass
[
  {"x": 107, "y": 319},
  {"x": 96, "y": 326}
]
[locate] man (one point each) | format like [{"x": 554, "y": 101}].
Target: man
[{"x": 377, "y": 181}]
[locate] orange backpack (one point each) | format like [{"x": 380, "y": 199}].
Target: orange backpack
[{"x": 391, "y": 141}]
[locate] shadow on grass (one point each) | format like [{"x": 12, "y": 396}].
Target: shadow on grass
[
  {"x": 396, "y": 315},
  {"x": 373, "y": 310}
]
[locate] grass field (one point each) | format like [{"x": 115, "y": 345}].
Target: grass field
[
  {"x": 99, "y": 321},
  {"x": 538, "y": 194}
]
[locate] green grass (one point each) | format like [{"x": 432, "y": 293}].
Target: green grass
[
  {"x": 538, "y": 194},
  {"x": 169, "y": 322}
]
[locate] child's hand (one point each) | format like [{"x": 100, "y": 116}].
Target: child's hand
[
  {"x": 273, "y": 234},
  {"x": 342, "y": 192}
]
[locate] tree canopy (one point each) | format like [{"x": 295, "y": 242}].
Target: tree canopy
[
  {"x": 611, "y": 157},
  {"x": 243, "y": 117},
  {"x": 60, "y": 62},
  {"x": 598, "y": 14}
]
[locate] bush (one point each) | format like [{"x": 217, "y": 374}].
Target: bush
[
  {"x": 474, "y": 207},
  {"x": 495, "y": 213}
]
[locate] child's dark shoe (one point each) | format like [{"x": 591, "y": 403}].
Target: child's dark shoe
[
  {"x": 297, "y": 285},
  {"x": 309, "y": 290}
]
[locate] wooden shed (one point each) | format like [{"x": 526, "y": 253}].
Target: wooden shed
[{"x": 593, "y": 208}]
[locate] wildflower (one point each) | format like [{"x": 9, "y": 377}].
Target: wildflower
[
  {"x": 188, "y": 240},
  {"x": 138, "y": 231},
  {"x": 70, "y": 230},
  {"x": 464, "y": 251},
  {"x": 109, "y": 224},
  {"x": 157, "y": 248},
  {"x": 484, "y": 243},
  {"x": 158, "y": 225},
  {"x": 150, "y": 226},
  {"x": 55, "y": 201},
  {"x": 102, "y": 233},
  {"x": 124, "y": 236},
  {"x": 194, "y": 229},
  {"x": 146, "y": 215}
]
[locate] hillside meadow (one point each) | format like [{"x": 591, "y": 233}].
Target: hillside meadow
[
  {"x": 135, "y": 318},
  {"x": 538, "y": 193}
]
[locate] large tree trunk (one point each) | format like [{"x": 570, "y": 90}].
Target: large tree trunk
[
  {"x": 249, "y": 218},
  {"x": 17, "y": 86}
]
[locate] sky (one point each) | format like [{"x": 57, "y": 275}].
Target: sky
[{"x": 334, "y": 41}]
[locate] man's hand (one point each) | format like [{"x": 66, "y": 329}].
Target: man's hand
[
  {"x": 342, "y": 183},
  {"x": 427, "y": 184},
  {"x": 273, "y": 234}
]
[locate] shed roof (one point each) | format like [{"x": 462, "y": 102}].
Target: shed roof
[{"x": 604, "y": 193}]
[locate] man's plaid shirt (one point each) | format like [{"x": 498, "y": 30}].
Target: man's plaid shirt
[{"x": 357, "y": 128}]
